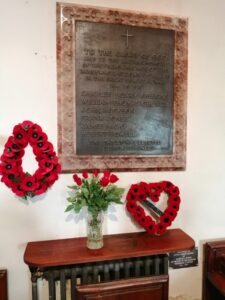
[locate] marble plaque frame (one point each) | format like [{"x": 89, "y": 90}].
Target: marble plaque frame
[{"x": 67, "y": 15}]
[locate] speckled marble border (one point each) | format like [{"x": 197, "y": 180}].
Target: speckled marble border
[{"x": 67, "y": 15}]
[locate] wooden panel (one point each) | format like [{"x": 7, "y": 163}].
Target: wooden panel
[
  {"x": 72, "y": 251},
  {"x": 214, "y": 271},
  {"x": 133, "y": 289},
  {"x": 3, "y": 285}
]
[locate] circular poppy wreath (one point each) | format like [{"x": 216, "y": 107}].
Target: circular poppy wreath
[
  {"x": 139, "y": 193},
  {"x": 22, "y": 183}
]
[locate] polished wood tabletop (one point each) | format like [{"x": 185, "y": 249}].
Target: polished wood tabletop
[{"x": 73, "y": 251}]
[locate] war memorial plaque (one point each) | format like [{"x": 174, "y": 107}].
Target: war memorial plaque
[{"x": 121, "y": 89}]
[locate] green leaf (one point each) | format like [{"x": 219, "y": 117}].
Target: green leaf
[
  {"x": 73, "y": 187},
  {"x": 85, "y": 192},
  {"x": 69, "y": 207}
]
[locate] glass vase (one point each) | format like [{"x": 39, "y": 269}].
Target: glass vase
[{"x": 94, "y": 230}]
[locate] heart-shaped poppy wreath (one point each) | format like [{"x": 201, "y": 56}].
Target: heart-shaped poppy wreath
[
  {"x": 141, "y": 193},
  {"x": 22, "y": 183}
]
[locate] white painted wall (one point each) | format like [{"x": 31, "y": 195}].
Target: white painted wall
[{"x": 28, "y": 91}]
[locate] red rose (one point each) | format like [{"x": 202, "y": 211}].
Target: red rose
[
  {"x": 95, "y": 173},
  {"x": 77, "y": 179},
  {"x": 104, "y": 181},
  {"x": 113, "y": 178},
  {"x": 85, "y": 174},
  {"x": 106, "y": 173}
]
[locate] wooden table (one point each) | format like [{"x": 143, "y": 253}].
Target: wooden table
[{"x": 125, "y": 258}]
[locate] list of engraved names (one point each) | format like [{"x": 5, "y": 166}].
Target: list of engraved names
[{"x": 124, "y": 90}]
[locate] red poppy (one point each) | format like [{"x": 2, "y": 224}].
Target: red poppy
[
  {"x": 27, "y": 124},
  {"x": 113, "y": 178},
  {"x": 150, "y": 227},
  {"x": 17, "y": 189},
  {"x": 46, "y": 165},
  {"x": 18, "y": 155},
  {"x": 142, "y": 220},
  {"x": 41, "y": 188},
  {"x": 8, "y": 152},
  {"x": 141, "y": 196},
  {"x": 130, "y": 196},
  {"x": 11, "y": 160},
  {"x": 50, "y": 178},
  {"x": 48, "y": 155},
  {"x": 174, "y": 200},
  {"x": 104, "y": 181},
  {"x": 85, "y": 174},
  {"x": 8, "y": 180},
  {"x": 154, "y": 191},
  {"x": 171, "y": 212},
  {"x": 135, "y": 188},
  {"x": 144, "y": 186},
  {"x": 139, "y": 213},
  {"x": 175, "y": 206},
  {"x": 42, "y": 147},
  {"x": 8, "y": 166},
  {"x": 39, "y": 174},
  {"x": 77, "y": 179},
  {"x": 20, "y": 136},
  {"x": 166, "y": 220},
  {"x": 167, "y": 185},
  {"x": 174, "y": 191},
  {"x": 131, "y": 206},
  {"x": 36, "y": 136},
  {"x": 160, "y": 228},
  {"x": 29, "y": 183}
]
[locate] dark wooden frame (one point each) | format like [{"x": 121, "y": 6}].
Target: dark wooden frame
[
  {"x": 67, "y": 15},
  {"x": 3, "y": 285},
  {"x": 155, "y": 287},
  {"x": 214, "y": 271}
]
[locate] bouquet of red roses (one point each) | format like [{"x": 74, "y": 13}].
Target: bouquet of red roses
[{"x": 94, "y": 191}]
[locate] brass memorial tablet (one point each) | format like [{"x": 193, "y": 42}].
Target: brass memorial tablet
[
  {"x": 122, "y": 80},
  {"x": 124, "y": 89}
]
